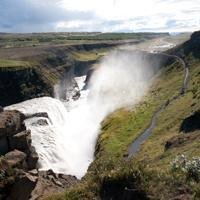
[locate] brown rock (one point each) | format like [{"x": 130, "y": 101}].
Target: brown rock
[
  {"x": 50, "y": 182},
  {"x": 33, "y": 172},
  {"x": 11, "y": 122},
  {"x": 51, "y": 172},
  {"x": 76, "y": 95},
  {"x": 22, "y": 188},
  {"x": 41, "y": 114},
  {"x": 4, "y": 145},
  {"x": 1, "y": 109},
  {"x": 16, "y": 159},
  {"x": 32, "y": 158},
  {"x": 58, "y": 183},
  {"x": 40, "y": 122},
  {"x": 191, "y": 123},
  {"x": 3, "y": 165},
  {"x": 181, "y": 140},
  {"x": 21, "y": 141}
]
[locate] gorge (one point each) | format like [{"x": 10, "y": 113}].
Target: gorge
[
  {"x": 65, "y": 141},
  {"x": 98, "y": 102}
]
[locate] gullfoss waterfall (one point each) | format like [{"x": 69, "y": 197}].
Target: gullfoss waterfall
[{"x": 66, "y": 140}]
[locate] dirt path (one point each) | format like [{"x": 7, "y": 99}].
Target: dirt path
[{"x": 135, "y": 146}]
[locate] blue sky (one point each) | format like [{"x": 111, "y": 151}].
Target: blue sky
[{"x": 99, "y": 15}]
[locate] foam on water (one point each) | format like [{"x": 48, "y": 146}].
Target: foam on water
[{"x": 61, "y": 144}]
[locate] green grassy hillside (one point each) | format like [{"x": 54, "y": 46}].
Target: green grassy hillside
[{"x": 154, "y": 172}]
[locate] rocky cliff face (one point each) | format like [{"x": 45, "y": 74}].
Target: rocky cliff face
[
  {"x": 19, "y": 175},
  {"x": 190, "y": 47},
  {"x": 193, "y": 45},
  {"x": 18, "y": 157},
  {"x": 22, "y": 84},
  {"x": 48, "y": 66}
]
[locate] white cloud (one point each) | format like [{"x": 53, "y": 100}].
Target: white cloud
[
  {"x": 134, "y": 15},
  {"x": 101, "y": 15}
]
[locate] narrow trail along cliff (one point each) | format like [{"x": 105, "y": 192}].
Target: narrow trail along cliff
[{"x": 135, "y": 146}]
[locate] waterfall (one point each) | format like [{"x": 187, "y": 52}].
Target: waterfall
[
  {"x": 66, "y": 141},
  {"x": 58, "y": 141}
]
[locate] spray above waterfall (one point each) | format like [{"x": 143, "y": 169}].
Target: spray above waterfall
[
  {"x": 121, "y": 79},
  {"x": 67, "y": 143}
]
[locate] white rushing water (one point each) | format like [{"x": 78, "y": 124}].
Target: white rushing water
[
  {"x": 63, "y": 143},
  {"x": 66, "y": 144}
]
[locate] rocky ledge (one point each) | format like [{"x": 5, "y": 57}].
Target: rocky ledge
[{"x": 19, "y": 175}]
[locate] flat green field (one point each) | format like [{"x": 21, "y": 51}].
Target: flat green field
[{"x": 40, "y": 39}]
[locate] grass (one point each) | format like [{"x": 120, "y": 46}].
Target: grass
[
  {"x": 168, "y": 125},
  {"x": 40, "y": 39},
  {"x": 116, "y": 36},
  {"x": 148, "y": 175},
  {"x": 4, "y": 63},
  {"x": 89, "y": 55},
  {"x": 123, "y": 126},
  {"x": 149, "y": 172}
]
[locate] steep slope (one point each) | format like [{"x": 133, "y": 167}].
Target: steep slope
[
  {"x": 18, "y": 83},
  {"x": 190, "y": 47},
  {"x": 154, "y": 172}
]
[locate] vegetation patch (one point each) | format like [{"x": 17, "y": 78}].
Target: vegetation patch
[
  {"x": 13, "y": 64},
  {"x": 116, "y": 36},
  {"x": 89, "y": 55},
  {"x": 148, "y": 175},
  {"x": 45, "y": 39}
]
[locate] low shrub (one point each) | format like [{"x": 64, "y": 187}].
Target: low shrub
[{"x": 191, "y": 168}]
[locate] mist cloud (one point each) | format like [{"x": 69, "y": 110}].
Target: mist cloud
[{"x": 123, "y": 77}]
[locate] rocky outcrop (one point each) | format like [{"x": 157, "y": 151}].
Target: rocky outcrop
[
  {"x": 23, "y": 186},
  {"x": 15, "y": 183},
  {"x": 40, "y": 122},
  {"x": 18, "y": 157},
  {"x": 11, "y": 122},
  {"x": 180, "y": 140},
  {"x": 190, "y": 47},
  {"x": 40, "y": 114},
  {"x": 21, "y": 84},
  {"x": 67, "y": 87},
  {"x": 19, "y": 175},
  {"x": 21, "y": 141},
  {"x": 19, "y": 183},
  {"x": 50, "y": 182},
  {"x": 14, "y": 136},
  {"x": 191, "y": 123}
]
